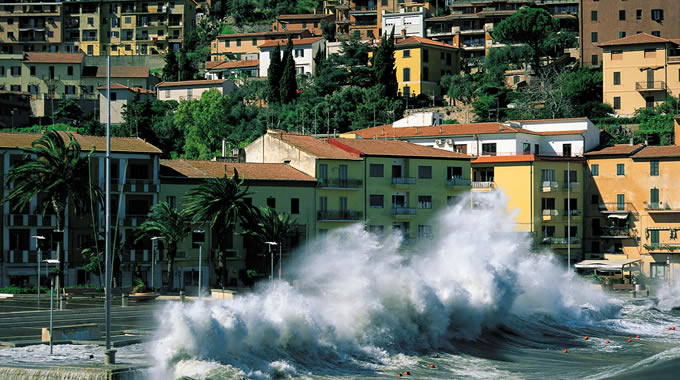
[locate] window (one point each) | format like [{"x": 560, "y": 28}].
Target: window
[
  {"x": 622, "y": 15},
  {"x": 19, "y": 240},
  {"x": 406, "y": 53},
  {"x": 566, "y": 150},
  {"x": 593, "y": 60},
  {"x": 654, "y": 168},
  {"x": 593, "y": 37},
  {"x": 489, "y": 149},
  {"x": 299, "y": 53},
  {"x": 657, "y": 270},
  {"x": 16, "y": 71},
  {"x": 620, "y": 202},
  {"x": 594, "y": 199},
  {"x": 197, "y": 239},
  {"x": 426, "y": 73},
  {"x": 15, "y": 87},
  {"x": 654, "y": 237},
  {"x": 570, "y": 204},
  {"x": 548, "y": 231},
  {"x": 448, "y": 59},
  {"x": 547, "y": 203},
  {"x": 114, "y": 96},
  {"x": 569, "y": 176},
  {"x": 424, "y": 201},
  {"x": 571, "y": 233},
  {"x": 70, "y": 89},
  {"x": 2, "y": 71},
  {"x": 376, "y": 229},
  {"x": 377, "y": 170},
  {"x": 295, "y": 205},
  {"x": 617, "y": 102},
  {"x": 454, "y": 172},
  {"x": 620, "y": 169},
  {"x": 593, "y": 15},
  {"x": 171, "y": 201},
  {"x": 406, "y": 74},
  {"x": 424, "y": 231},
  {"x": 254, "y": 41},
  {"x": 323, "y": 203},
  {"x": 90, "y": 50},
  {"x": 595, "y": 169},
  {"x": 323, "y": 172},
  {"x": 69, "y": 70},
  {"x": 622, "y": 34},
  {"x": 656, "y": 33},
  {"x": 617, "y": 78},
  {"x": 426, "y": 55},
  {"x": 548, "y": 175},
  {"x": 32, "y": 69},
  {"x": 649, "y": 102},
  {"x": 526, "y": 148},
  {"x": 657, "y": 15},
  {"x": 376, "y": 201},
  {"x": 226, "y": 43},
  {"x": 654, "y": 198},
  {"x": 238, "y": 42},
  {"x": 271, "y": 202},
  {"x": 304, "y": 25},
  {"x": 425, "y": 172},
  {"x": 33, "y": 89},
  {"x": 452, "y": 200},
  {"x": 638, "y": 14}
]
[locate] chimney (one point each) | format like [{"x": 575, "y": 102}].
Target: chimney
[
  {"x": 676, "y": 131},
  {"x": 631, "y": 142}
]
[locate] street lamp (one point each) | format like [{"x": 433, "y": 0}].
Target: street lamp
[
  {"x": 270, "y": 243},
  {"x": 154, "y": 248},
  {"x": 56, "y": 262},
  {"x": 199, "y": 238},
  {"x": 38, "y": 238},
  {"x": 668, "y": 265}
]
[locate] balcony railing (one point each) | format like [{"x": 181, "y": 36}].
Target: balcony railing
[
  {"x": 483, "y": 184},
  {"x": 550, "y": 212},
  {"x": 341, "y": 183},
  {"x": 651, "y": 86},
  {"x": 655, "y": 207},
  {"x": 573, "y": 186},
  {"x": 615, "y": 232},
  {"x": 403, "y": 180},
  {"x": 565, "y": 213},
  {"x": 403, "y": 211},
  {"x": 617, "y": 208},
  {"x": 339, "y": 215},
  {"x": 561, "y": 241},
  {"x": 550, "y": 186},
  {"x": 663, "y": 247},
  {"x": 457, "y": 181}
]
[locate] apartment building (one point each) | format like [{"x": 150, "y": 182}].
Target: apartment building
[
  {"x": 608, "y": 20},
  {"x": 279, "y": 186},
  {"x": 245, "y": 46},
  {"x": 310, "y": 22},
  {"x": 420, "y": 63},
  {"x": 192, "y": 89},
  {"x": 405, "y": 24},
  {"x": 94, "y": 27},
  {"x": 640, "y": 71},
  {"x": 135, "y": 186},
  {"x": 364, "y": 17},
  {"x": 121, "y": 97},
  {"x": 231, "y": 69},
  {"x": 304, "y": 51},
  {"x": 633, "y": 208}
]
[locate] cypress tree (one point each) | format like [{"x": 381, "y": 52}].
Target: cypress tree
[
  {"x": 186, "y": 69},
  {"x": 383, "y": 64},
  {"x": 288, "y": 81},
  {"x": 171, "y": 68},
  {"x": 274, "y": 75}
]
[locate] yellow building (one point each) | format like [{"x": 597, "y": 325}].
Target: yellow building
[
  {"x": 634, "y": 206},
  {"x": 544, "y": 192},
  {"x": 640, "y": 71},
  {"x": 421, "y": 63},
  {"x": 279, "y": 186}
]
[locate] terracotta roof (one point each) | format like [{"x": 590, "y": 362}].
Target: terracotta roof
[
  {"x": 54, "y": 58},
  {"x": 546, "y": 120},
  {"x": 302, "y": 16},
  {"x": 316, "y": 147},
  {"x": 414, "y": 40},
  {"x": 517, "y": 158},
  {"x": 118, "y": 144},
  {"x": 296, "y": 41},
  {"x": 212, "y": 65},
  {"x": 393, "y": 148},
  {"x": 118, "y": 86},
  {"x": 430, "y": 131},
  {"x": 248, "y": 171},
  {"x": 616, "y": 150},
  {"x": 291, "y": 32},
  {"x": 192, "y": 83},
  {"x": 640, "y": 38},
  {"x": 124, "y": 72},
  {"x": 658, "y": 152}
]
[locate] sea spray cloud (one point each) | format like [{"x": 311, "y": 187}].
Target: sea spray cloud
[{"x": 352, "y": 294}]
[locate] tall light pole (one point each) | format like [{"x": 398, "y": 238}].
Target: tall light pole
[
  {"x": 270, "y": 243},
  {"x": 668, "y": 265},
  {"x": 154, "y": 248},
  {"x": 38, "y": 239},
  {"x": 199, "y": 238},
  {"x": 52, "y": 261}
]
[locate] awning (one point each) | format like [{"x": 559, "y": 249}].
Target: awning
[
  {"x": 618, "y": 216},
  {"x": 613, "y": 265}
]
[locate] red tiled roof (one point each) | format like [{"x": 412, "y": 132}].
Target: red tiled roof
[
  {"x": 212, "y": 65},
  {"x": 248, "y": 171},
  {"x": 658, "y": 152},
  {"x": 640, "y": 38},
  {"x": 497, "y": 159},
  {"x": 192, "y": 83},
  {"x": 314, "y": 146},
  {"x": 309, "y": 16},
  {"x": 124, "y": 72},
  {"x": 547, "y": 120},
  {"x": 414, "y": 40},
  {"x": 388, "y": 131},
  {"x": 291, "y": 32},
  {"x": 54, "y": 58},
  {"x": 118, "y": 144},
  {"x": 616, "y": 150},
  {"x": 296, "y": 41},
  {"x": 393, "y": 148},
  {"x": 118, "y": 86}
]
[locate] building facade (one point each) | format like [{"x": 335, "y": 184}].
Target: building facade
[
  {"x": 245, "y": 46},
  {"x": 232, "y": 69},
  {"x": 405, "y": 23},
  {"x": 192, "y": 89},
  {"x": 121, "y": 96},
  {"x": 310, "y": 22},
  {"x": 304, "y": 51},
  {"x": 364, "y": 17}
]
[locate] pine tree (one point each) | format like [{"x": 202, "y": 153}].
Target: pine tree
[
  {"x": 274, "y": 75},
  {"x": 288, "y": 84},
  {"x": 171, "y": 69},
  {"x": 383, "y": 64}
]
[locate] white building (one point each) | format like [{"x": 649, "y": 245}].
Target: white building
[
  {"x": 405, "y": 24},
  {"x": 192, "y": 89},
  {"x": 120, "y": 96},
  {"x": 419, "y": 119},
  {"x": 231, "y": 69},
  {"x": 304, "y": 51},
  {"x": 558, "y": 137}
]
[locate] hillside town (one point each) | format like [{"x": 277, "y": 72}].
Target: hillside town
[{"x": 300, "y": 118}]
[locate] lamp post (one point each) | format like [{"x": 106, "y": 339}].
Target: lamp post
[
  {"x": 51, "y": 261},
  {"x": 38, "y": 239},
  {"x": 154, "y": 248},
  {"x": 668, "y": 266},
  {"x": 199, "y": 238},
  {"x": 270, "y": 243}
]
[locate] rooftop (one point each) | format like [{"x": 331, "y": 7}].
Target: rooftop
[
  {"x": 392, "y": 148},
  {"x": 123, "y": 72},
  {"x": 118, "y": 86},
  {"x": 635, "y": 39},
  {"x": 658, "y": 152},
  {"x": 616, "y": 150},
  {"x": 296, "y": 41},
  {"x": 118, "y": 144},
  {"x": 290, "y": 32},
  {"x": 314, "y": 146},
  {"x": 389, "y": 132},
  {"x": 248, "y": 171},
  {"x": 308, "y": 16},
  {"x": 218, "y": 65},
  {"x": 53, "y": 57},
  {"x": 204, "y": 83},
  {"x": 414, "y": 40}
]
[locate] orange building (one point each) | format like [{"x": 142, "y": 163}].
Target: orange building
[
  {"x": 240, "y": 46},
  {"x": 311, "y": 22}
]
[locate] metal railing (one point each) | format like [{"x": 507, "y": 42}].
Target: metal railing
[
  {"x": 565, "y": 213},
  {"x": 339, "y": 215},
  {"x": 550, "y": 212},
  {"x": 483, "y": 184},
  {"x": 615, "y": 232},
  {"x": 658, "y": 85},
  {"x": 561, "y": 241},
  {"x": 342, "y": 183},
  {"x": 663, "y": 247},
  {"x": 403, "y": 180},
  {"x": 458, "y": 181},
  {"x": 614, "y": 207},
  {"x": 659, "y": 206},
  {"x": 403, "y": 211},
  {"x": 575, "y": 186}
]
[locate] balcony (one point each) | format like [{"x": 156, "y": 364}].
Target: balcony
[
  {"x": 572, "y": 186},
  {"x": 339, "y": 216},
  {"x": 574, "y": 213},
  {"x": 403, "y": 211},
  {"x": 561, "y": 242},
  {"x": 617, "y": 208},
  {"x": 549, "y": 214},
  {"x": 549, "y": 186},
  {"x": 31, "y": 220},
  {"x": 403, "y": 181},
  {"x": 616, "y": 233},
  {"x": 650, "y": 86},
  {"x": 674, "y": 59},
  {"x": 457, "y": 181},
  {"x": 660, "y": 208},
  {"x": 662, "y": 247},
  {"x": 340, "y": 183},
  {"x": 360, "y": 10},
  {"x": 483, "y": 184}
]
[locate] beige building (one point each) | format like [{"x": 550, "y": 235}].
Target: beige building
[
  {"x": 120, "y": 96},
  {"x": 31, "y": 26},
  {"x": 192, "y": 89},
  {"x": 608, "y": 20},
  {"x": 640, "y": 71},
  {"x": 311, "y": 22},
  {"x": 245, "y": 46}
]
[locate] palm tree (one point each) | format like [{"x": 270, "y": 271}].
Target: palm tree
[
  {"x": 58, "y": 169},
  {"x": 171, "y": 225},
  {"x": 221, "y": 203},
  {"x": 267, "y": 225}
]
